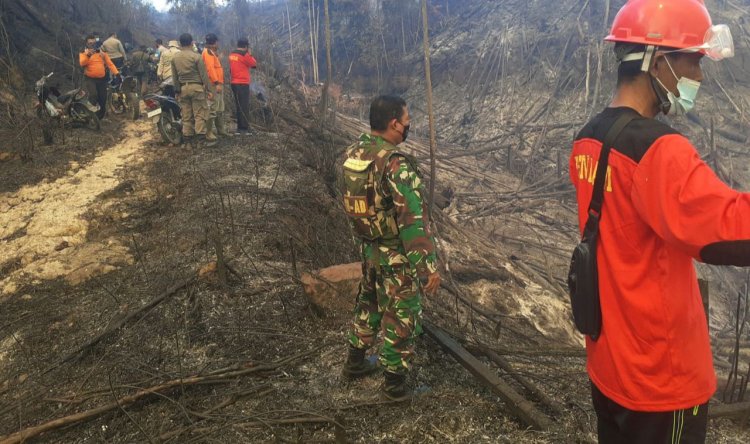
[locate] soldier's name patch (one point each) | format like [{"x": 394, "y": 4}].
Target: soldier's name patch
[{"x": 356, "y": 205}]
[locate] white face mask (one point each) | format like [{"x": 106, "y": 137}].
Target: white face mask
[{"x": 688, "y": 89}]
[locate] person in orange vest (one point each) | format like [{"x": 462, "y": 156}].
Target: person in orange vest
[
  {"x": 215, "y": 124},
  {"x": 650, "y": 363},
  {"x": 95, "y": 63}
]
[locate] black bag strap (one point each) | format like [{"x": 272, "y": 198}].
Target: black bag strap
[{"x": 597, "y": 199}]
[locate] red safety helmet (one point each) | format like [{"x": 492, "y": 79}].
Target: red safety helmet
[{"x": 678, "y": 24}]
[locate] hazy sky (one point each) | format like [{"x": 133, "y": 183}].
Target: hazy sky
[{"x": 161, "y": 5}]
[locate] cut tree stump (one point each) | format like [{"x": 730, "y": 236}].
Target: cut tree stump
[{"x": 333, "y": 288}]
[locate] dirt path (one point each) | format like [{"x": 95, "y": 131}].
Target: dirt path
[{"x": 43, "y": 229}]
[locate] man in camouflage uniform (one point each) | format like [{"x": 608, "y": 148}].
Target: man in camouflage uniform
[{"x": 384, "y": 200}]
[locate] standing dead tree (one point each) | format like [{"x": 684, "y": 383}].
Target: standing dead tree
[
  {"x": 430, "y": 113},
  {"x": 312, "y": 22},
  {"x": 291, "y": 42},
  {"x": 323, "y": 111}
]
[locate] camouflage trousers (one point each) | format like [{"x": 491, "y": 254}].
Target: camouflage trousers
[{"x": 389, "y": 301}]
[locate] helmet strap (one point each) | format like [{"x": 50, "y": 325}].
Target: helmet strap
[
  {"x": 645, "y": 57},
  {"x": 661, "y": 95}
]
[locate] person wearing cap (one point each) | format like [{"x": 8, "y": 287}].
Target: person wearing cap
[
  {"x": 651, "y": 364},
  {"x": 193, "y": 90},
  {"x": 164, "y": 70}
]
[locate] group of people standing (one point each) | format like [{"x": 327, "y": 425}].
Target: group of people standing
[
  {"x": 195, "y": 78},
  {"x": 198, "y": 83}
]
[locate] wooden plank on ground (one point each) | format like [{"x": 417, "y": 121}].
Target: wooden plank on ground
[
  {"x": 520, "y": 407},
  {"x": 528, "y": 385}
]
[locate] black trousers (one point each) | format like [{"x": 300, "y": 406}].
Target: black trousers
[
  {"x": 242, "y": 105},
  {"x": 119, "y": 62},
  {"x": 618, "y": 425},
  {"x": 97, "y": 91},
  {"x": 168, "y": 90}
]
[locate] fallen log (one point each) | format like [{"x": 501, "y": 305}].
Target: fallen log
[
  {"x": 503, "y": 363},
  {"x": 31, "y": 432},
  {"x": 520, "y": 407}
]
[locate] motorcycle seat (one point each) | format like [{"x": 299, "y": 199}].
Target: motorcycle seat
[{"x": 65, "y": 97}]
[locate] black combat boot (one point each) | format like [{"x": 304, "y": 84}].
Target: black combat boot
[
  {"x": 395, "y": 387},
  {"x": 356, "y": 365}
]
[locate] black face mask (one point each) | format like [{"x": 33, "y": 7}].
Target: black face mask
[{"x": 405, "y": 134}]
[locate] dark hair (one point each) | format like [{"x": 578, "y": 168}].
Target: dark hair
[
  {"x": 242, "y": 43},
  {"x": 91, "y": 37},
  {"x": 159, "y": 41},
  {"x": 628, "y": 71},
  {"x": 384, "y": 109},
  {"x": 186, "y": 39},
  {"x": 211, "y": 38}
]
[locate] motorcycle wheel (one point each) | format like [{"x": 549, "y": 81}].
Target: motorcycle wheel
[
  {"x": 83, "y": 116},
  {"x": 169, "y": 130},
  {"x": 134, "y": 105}
]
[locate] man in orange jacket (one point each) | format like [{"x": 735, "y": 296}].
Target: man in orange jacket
[
  {"x": 215, "y": 124},
  {"x": 95, "y": 63},
  {"x": 651, "y": 366},
  {"x": 241, "y": 61}
]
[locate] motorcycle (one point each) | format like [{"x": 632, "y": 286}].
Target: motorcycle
[
  {"x": 123, "y": 97},
  {"x": 72, "y": 108},
  {"x": 166, "y": 113}
]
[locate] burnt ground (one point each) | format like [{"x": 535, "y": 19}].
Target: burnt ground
[{"x": 262, "y": 205}]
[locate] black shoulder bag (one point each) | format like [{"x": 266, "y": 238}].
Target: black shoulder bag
[{"x": 583, "y": 279}]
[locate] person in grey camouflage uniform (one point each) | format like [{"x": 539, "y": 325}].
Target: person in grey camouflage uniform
[{"x": 384, "y": 200}]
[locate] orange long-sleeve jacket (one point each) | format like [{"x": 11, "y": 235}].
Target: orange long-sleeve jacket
[
  {"x": 93, "y": 65},
  {"x": 663, "y": 208},
  {"x": 213, "y": 67}
]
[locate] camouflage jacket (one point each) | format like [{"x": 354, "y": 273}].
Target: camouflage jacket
[{"x": 383, "y": 197}]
